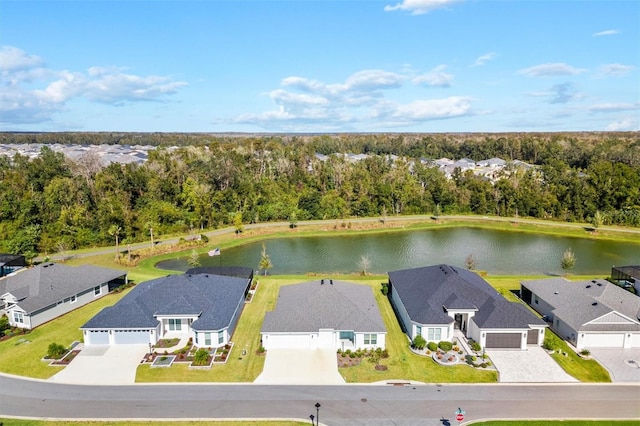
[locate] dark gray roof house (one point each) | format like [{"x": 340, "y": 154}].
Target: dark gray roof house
[
  {"x": 324, "y": 313},
  {"x": 34, "y": 296},
  {"x": 441, "y": 301},
  {"x": 589, "y": 314},
  {"x": 184, "y": 305},
  {"x": 10, "y": 263}
]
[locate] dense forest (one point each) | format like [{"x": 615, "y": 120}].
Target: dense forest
[{"x": 52, "y": 203}]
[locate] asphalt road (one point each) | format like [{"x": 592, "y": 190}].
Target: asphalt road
[{"x": 340, "y": 405}]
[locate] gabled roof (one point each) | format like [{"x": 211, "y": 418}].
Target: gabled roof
[
  {"x": 427, "y": 293},
  {"x": 578, "y": 303},
  {"x": 214, "y": 298},
  {"x": 49, "y": 283},
  {"x": 338, "y": 305}
]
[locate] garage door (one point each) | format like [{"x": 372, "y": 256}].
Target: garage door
[
  {"x": 503, "y": 340},
  {"x": 131, "y": 337},
  {"x": 286, "y": 341},
  {"x": 97, "y": 337},
  {"x": 532, "y": 336},
  {"x": 603, "y": 340}
]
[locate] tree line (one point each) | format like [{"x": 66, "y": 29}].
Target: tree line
[{"x": 52, "y": 203}]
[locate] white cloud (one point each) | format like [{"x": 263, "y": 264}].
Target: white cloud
[
  {"x": 551, "y": 69},
  {"x": 436, "y": 77},
  {"x": 627, "y": 123},
  {"x": 303, "y": 104},
  {"x": 12, "y": 58},
  {"x": 419, "y": 7},
  {"x": 33, "y": 93},
  {"x": 614, "y": 107},
  {"x": 615, "y": 69},
  {"x": 483, "y": 59},
  {"x": 606, "y": 33}
]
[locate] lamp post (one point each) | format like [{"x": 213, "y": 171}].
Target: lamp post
[{"x": 318, "y": 413}]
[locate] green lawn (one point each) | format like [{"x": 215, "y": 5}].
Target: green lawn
[{"x": 24, "y": 358}]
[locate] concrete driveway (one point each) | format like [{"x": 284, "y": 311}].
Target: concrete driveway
[
  {"x": 300, "y": 367},
  {"x": 103, "y": 365},
  {"x": 531, "y": 366},
  {"x": 623, "y": 364}
]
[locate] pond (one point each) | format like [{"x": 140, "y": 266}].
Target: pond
[{"x": 494, "y": 251}]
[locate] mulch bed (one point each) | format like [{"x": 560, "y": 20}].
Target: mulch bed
[
  {"x": 67, "y": 359},
  {"x": 347, "y": 361}
]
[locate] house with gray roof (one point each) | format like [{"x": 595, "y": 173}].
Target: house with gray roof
[
  {"x": 324, "y": 314},
  {"x": 437, "y": 301},
  {"x": 31, "y": 297},
  {"x": 9, "y": 263},
  {"x": 203, "y": 306},
  {"x": 588, "y": 314}
]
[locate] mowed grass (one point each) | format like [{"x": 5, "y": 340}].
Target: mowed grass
[
  {"x": 25, "y": 358},
  {"x": 24, "y": 422}
]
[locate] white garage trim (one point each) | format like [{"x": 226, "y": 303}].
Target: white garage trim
[
  {"x": 131, "y": 337},
  {"x": 603, "y": 340},
  {"x": 289, "y": 340}
]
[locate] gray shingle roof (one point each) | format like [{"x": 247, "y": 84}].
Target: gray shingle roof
[
  {"x": 213, "y": 297},
  {"x": 48, "y": 283},
  {"x": 310, "y": 306},
  {"x": 426, "y": 292},
  {"x": 577, "y": 303}
]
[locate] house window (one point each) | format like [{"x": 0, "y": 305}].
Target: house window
[
  {"x": 535, "y": 299},
  {"x": 434, "y": 334},
  {"x": 207, "y": 339},
  {"x": 175, "y": 324},
  {"x": 370, "y": 339},
  {"x": 418, "y": 330},
  {"x": 73, "y": 299},
  {"x": 18, "y": 317},
  {"x": 220, "y": 336},
  {"x": 97, "y": 290}
]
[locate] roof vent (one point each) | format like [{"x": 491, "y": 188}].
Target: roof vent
[
  {"x": 331, "y": 281},
  {"x": 588, "y": 286},
  {"x": 322, "y": 281},
  {"x": 593, "y": 281},
  {"x": 594, "y": 304},
  {"x": 599, "y": 284},
  {"x": 555, "y": 292}
]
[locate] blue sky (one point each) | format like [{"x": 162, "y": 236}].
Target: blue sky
[{"x": 320, "y": 66}]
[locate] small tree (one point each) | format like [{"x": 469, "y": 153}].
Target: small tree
[
  {"x": 437, "y": 211},
  {"x": 568, "y": 261},
  {"x": 194, "y": 259},
  {"x": 383, "y": 215},
  {"x": 237, "y": 222},
  {"x": 265, "y": 260},
  {"x": 364, "y": 263},
  {"x": 293, "y": 220},
  {"x": 114, "y": 231},
  {"x": 470, "y": 261},
  {"x": 597, "y": 220}
]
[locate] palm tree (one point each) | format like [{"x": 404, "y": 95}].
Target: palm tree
[
  {"x": 265, "y": 260},
  {"x": 114, "y": 231},
  {"x": 194, "y": 259}
]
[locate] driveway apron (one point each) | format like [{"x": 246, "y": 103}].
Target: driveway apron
[
  {"x": 300, "y": 367},
  {"x": 103, "y": 365},
  {"x": 623, "y": 364},
  {"x": 531, "y": 366}
]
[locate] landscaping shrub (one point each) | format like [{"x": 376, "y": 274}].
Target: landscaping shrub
[
  {"x": 419, "y": 342},
  {"x": 204, "y": 238},
  {"x": 585, "y": 352},
  {"x": 548, "y": 345},
  {"x": 385, "y": 288},
  {"x": 56, "y": 350},
  {"x": 432, "y": 346},
  {"x": 445, "y": 345},
  {"x": 475, "y": 346},
  {"x": 201, "y": 357},
  {"x": 385, "y": 353}
]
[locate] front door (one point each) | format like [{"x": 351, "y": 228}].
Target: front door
[{"x": 458, "y": 321}]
